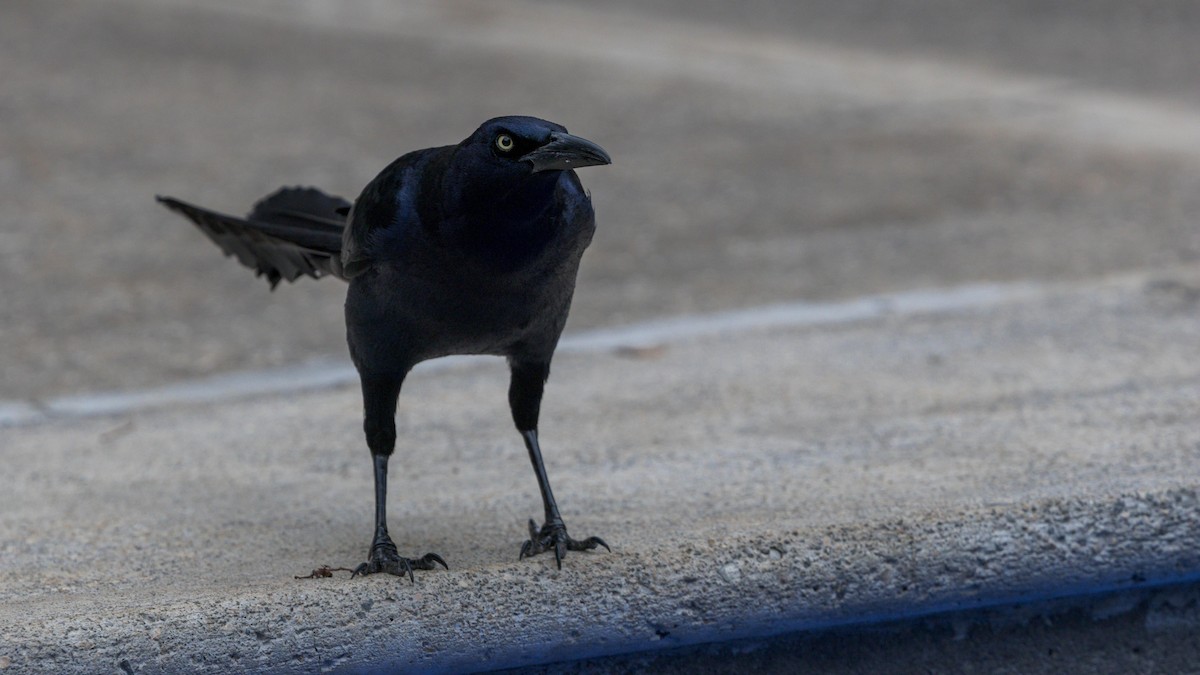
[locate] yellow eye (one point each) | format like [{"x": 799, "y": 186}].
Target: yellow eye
[{"x": 504, "y": 142}]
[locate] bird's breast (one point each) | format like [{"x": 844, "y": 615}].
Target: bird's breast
[{"x": 441, "y": 315}]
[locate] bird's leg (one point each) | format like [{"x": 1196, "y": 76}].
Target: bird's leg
[
  {"x": 379, "y": 422},
  {"x": 553, "y": 534},
  {"x": 525, "y": 399}
]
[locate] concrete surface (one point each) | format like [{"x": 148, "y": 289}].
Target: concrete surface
[
  {"x": 1145, "y": 630},
  {"x": 751, "y": 483},
  {"x": 752, "y": 166},
  {"x": 986, "y": 397}
]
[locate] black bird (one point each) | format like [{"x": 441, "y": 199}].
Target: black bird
[{"x": 462, "y": 249}]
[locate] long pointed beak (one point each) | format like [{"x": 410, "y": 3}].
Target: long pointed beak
[{"x": 565, "y": 151}]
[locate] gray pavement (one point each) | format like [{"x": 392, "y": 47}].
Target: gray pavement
[
  {"x": 752, "y": 167},
  {"x": 905, "y": 441},
  {"x": 750, "y": 482}
]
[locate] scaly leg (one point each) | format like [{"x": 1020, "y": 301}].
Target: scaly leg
[
  {"x": 525, "y": 399},
  {"x": 379, "y": 422}
]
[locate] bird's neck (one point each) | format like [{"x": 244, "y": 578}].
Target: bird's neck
[
  {"x": 514, "y": 198},
  {"x": 503, "y": 212}
]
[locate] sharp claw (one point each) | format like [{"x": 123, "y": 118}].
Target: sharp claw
[
  {"x": 554, "y": 537},
  {"x": 399, "y": 566},
  {"x": 587, "y": 544}
]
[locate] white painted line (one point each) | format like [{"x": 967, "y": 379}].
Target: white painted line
[
  {"x": 19, "y": 412},
  {"x": 799, "y": 314},
  {"x": 333, "y": 373},
  {"x": 312, "y": 375}
]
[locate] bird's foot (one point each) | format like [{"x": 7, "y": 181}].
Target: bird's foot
[
  {"x": 386, "y": 559},
  {"x": 553, "y": 537}
]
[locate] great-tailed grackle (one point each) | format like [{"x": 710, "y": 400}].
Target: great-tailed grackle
[{"x": 462, "y": 249}]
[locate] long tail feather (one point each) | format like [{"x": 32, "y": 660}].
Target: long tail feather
[{"x": 292, "y": 233}]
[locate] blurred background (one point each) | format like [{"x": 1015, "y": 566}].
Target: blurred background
[{"x": 764, "y": 151}]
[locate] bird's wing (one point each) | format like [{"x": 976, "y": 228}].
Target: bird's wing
[
  {"x": 305, "y": 209},
  {"x": 387, "y": 206},
  {"x": 292, "y": 233}
]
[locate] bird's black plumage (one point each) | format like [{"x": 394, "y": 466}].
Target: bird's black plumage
[
  {"x": 291, "y": 233},
  {"x": 465, "y": 249}
]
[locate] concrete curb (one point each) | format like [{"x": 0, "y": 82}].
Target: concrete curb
[
  {"x": 756, "y": 584},
  {"x": 877, "y": 470}
]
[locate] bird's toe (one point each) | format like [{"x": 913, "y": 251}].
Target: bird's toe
[
  {"x": 553, "y": 537},
  {"x": 385, "y": 559}
]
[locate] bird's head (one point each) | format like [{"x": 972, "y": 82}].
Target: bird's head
[
  {"x": 509, "y": 167},
  {"x": 528, "y": 145}
]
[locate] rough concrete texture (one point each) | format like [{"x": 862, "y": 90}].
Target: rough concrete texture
[
  {"x": 794, "y": 475},
  {"x": 1149, "y": 630},
  {"x": 751, "y": 166},
  {"x": 764, "y": 481}
]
